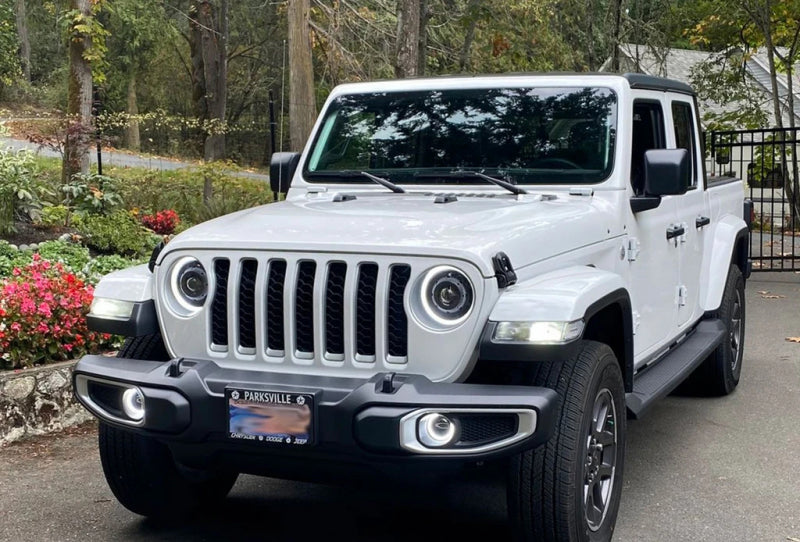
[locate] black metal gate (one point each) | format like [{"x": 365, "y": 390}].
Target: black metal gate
[{"x": 767, "y": 160}]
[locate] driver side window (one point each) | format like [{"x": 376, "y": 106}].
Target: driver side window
[{"x": 648, "y": 133}]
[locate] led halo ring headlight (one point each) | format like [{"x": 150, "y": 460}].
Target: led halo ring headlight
[
  {"x": 133, "y": 404},
  {"x": 188, "y": 284},
  {"x": 446, "y": 295}
]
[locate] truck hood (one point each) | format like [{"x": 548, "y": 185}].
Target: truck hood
[{"x": 474, "y": 228}]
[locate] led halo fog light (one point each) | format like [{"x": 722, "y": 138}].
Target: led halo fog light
[
  {"x": 446, "y": 295},
  {"x": 133, "y": 404},
  {"x": 436, "y": 430},
  {"x": 189, "y": 283}
]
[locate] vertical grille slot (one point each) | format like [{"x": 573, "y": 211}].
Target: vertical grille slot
[
  {"x": 396, "y": 318},
  {"x": 334, "y": 309},
  {"x": 304, "y": 307},
  {"x": 365, "y": 309},
  {"x": 247, "y": 304},
  {"x": 219, "y": 305},
  {"x": 274, "y": 320}
]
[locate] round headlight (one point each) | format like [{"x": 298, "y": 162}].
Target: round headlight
[
  {"x": 189, "y": 283},
  {"x": 447, "y": 295}
]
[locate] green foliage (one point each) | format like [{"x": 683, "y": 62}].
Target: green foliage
[
  {"x": 91, "y": 193},
  {"x": 21, "y": 191},
  {"x": 117, "y": 233},
  {"x": 79, "y": 27},
  {"x": 54, "y": 216},
  {"x": 11, "y": 257},
  {"x": 722, "y": 80},
  {"x": 9, "y": 62},
  {"x": 103, "y": 265},
  {"x": 182, "y": 190},
  {"x": 74, "y": 257}
]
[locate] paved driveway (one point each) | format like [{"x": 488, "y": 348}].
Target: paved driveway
[{"x": 697, "y": 469}]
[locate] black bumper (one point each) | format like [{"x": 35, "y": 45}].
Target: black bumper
[{"x": 356, "y": 421}]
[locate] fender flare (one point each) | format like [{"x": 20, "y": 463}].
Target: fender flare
[
  {"x": 728, "y": 234},
  {"x": 573, "y": 293},
  {"x": 131, "y": 284}
]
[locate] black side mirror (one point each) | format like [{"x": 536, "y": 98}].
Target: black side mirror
[
  {"x": 281, "y": 170},
  {"x": 666, "y": 172}
]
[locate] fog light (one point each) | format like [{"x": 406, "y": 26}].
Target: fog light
[
  {"x": 133, "y": 404},
  {"x": 436, "y": 430}
]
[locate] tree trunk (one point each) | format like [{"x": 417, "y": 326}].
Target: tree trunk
[
  {"x": 422, "y": 51},
  {"x": 302, "y": 104},
  {"x": 79, "y": 103},
  {"x": 24, "y": 39},
  {"x": 617, "y": 37},
  {"x": 407, "y": 55},
  {"x": 130, "y": 137},
  {"x": 469, "y": 36},
  {"x": 212, "y": 27}
]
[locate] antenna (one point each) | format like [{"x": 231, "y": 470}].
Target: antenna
[{"x": 283, "y": 97}]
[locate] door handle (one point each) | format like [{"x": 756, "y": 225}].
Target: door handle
[
  {"x": 676, "y": 230},
  {"x": 701, "y": 222}
]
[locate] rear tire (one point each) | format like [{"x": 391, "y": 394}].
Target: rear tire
[
  {"x": 141, "y": 471},
  {"x": 719, "y": 374},
  {"x": 569, "y": 488}
]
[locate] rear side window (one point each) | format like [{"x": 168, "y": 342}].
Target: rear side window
[
  {"x": 684, "y": 134},
  {"x": 648, "y": 133}
]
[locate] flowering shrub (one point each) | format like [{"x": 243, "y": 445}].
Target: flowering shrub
[
  {"x": 162, "y": 222},
  {"x": 42, "y": 316}
]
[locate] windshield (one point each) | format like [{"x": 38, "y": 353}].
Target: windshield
[{"x": 523, "y": 135}]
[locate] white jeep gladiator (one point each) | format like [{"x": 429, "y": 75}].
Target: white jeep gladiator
[{"x": 465, "y": 271}]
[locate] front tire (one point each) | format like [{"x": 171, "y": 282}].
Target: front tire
[
  {"x": 569, "y": 489},
  {"x": 141, "y": 471}
]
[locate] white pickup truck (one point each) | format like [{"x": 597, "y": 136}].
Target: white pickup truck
[{"x": 464, "y": 271}]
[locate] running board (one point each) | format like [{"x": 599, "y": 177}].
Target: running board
[{"x": 659, "y": 380}]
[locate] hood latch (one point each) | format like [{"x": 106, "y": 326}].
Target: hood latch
[{"x": 503, "y": 270}]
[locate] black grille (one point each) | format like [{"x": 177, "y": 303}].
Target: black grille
[
  {"x": 275, "y": 282},
  {"x": 365, "y": 309},
  {"x": 396, "y": 319},
  {"x": 247, "y": 304},
  {"x": 304, "y": 307},
  {"x": 334, "y": 308},
  {"x": 476, "y": 429},
  {"x": 219, "y": 306}
]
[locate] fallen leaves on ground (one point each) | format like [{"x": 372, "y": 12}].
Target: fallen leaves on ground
[
  {"x": 793, "y": 339},
  {"x": 765, "y": 294}
]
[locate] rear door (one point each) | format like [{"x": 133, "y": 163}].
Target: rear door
[{"x": 692, "y": 212}]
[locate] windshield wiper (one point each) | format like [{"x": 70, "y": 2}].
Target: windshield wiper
[
  {"x": 349, "y": 174},
  {"x": 463, "y": 174}
]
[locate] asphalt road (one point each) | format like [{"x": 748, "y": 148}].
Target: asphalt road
[{"x": 696, "y": 470}]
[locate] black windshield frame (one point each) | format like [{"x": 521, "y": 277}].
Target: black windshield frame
[{"x": 525, "y": 135}]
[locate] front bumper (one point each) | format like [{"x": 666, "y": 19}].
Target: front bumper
[{"x": 356, "y": 420}]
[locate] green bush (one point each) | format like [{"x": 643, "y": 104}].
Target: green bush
[
  {"x": 21, "y": 192},
  {"x": 55, "y": 216},
  {"x": 11, "y": 257},
  {"x": 73, "y": 257},
  {"x": 117, "y": 233},
  {"x": 103, "y": 265}
]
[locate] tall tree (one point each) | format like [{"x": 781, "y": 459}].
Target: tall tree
[
  {"x": 208, "y": 42},
  {"x": 135, "y": 28},
  {"x": 408, "y": 38},
  {"x": 302, "y": 107},
  {"x": 79, "y": 100},
  {"x": 24, "y": 39}
]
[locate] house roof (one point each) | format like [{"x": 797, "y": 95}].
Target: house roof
[{"x": 679, "y": 64}]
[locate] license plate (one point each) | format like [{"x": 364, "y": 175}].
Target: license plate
[{"x": 270, "y": 417}]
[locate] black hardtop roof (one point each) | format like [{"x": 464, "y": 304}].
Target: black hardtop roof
[{"x": 650, "y": 82}]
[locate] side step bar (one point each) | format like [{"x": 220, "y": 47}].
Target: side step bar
[{"x": 657, "y": 381}]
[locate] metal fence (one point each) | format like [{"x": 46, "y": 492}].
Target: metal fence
[{"x": 767, "y": 160}]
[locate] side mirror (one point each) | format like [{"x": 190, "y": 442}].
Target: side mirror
[
  {"x": 281, "y": 170},
  {"x": 666, "y": 172}
]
